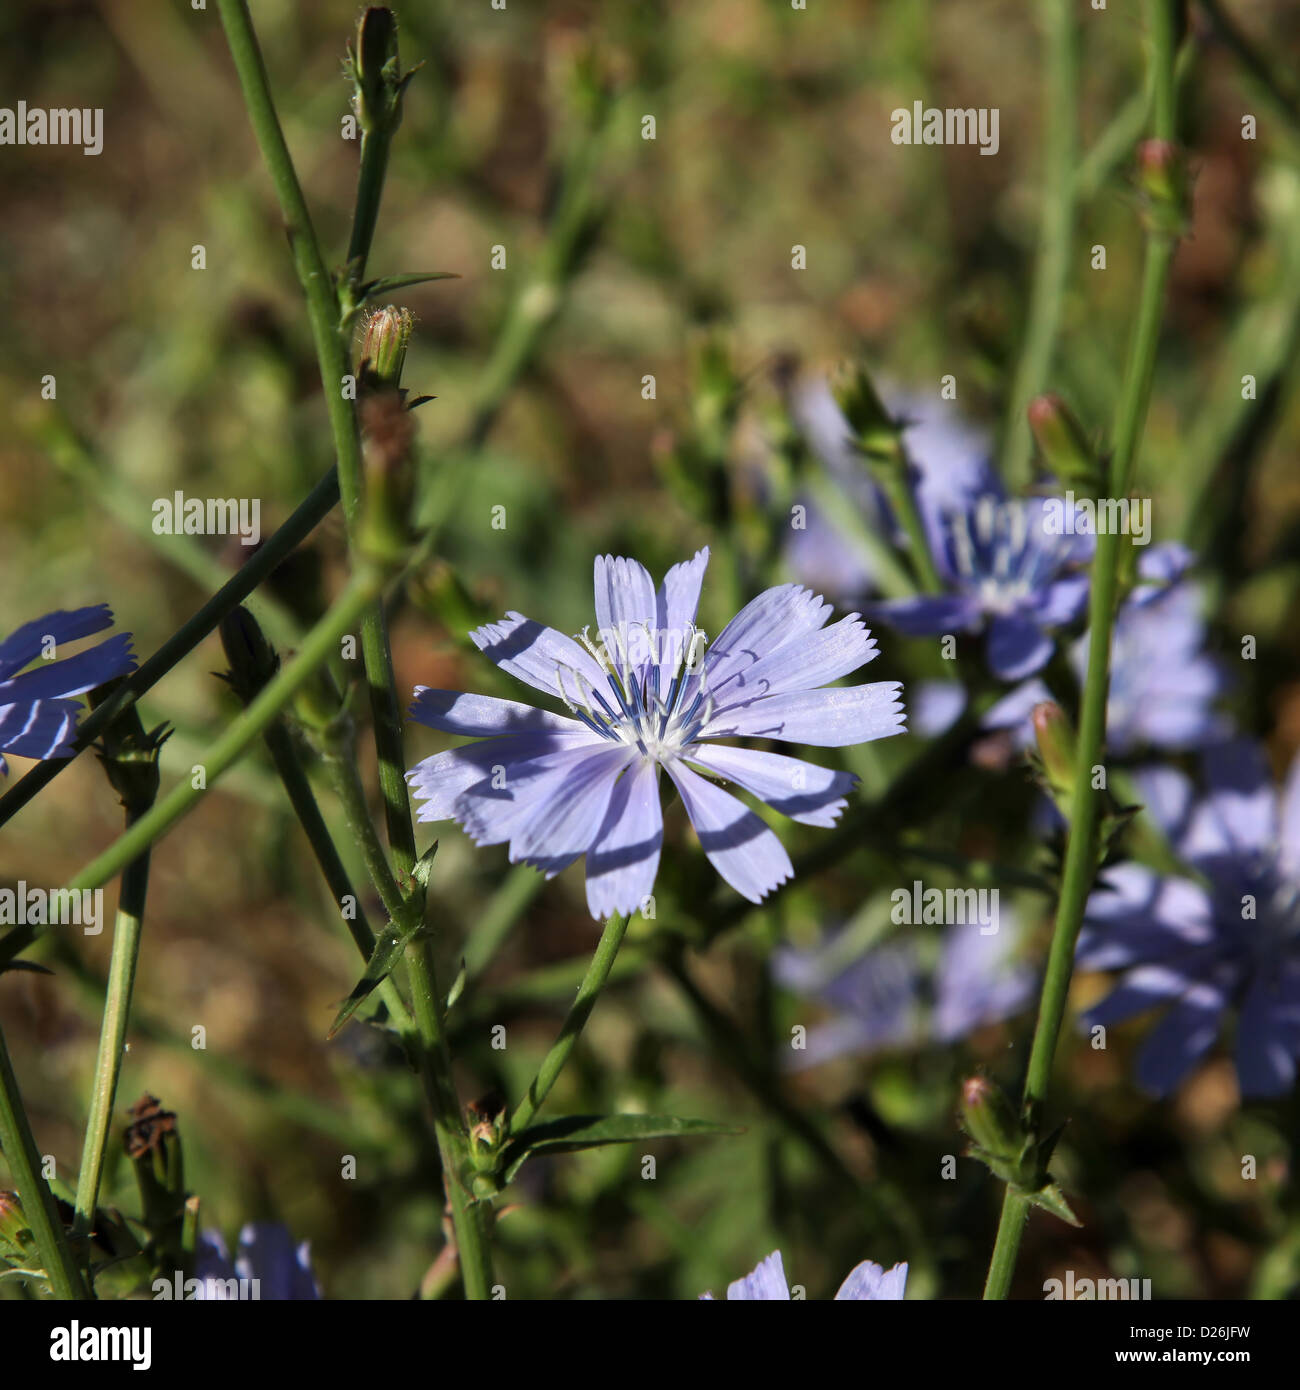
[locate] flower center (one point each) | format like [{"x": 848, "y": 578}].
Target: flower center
[{"x": 655, "y": 694}]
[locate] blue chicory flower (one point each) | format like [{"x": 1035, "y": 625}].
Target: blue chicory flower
[
  {"x": 650, "y": 694},
  {"x": 950, "y": 466},
  {"x": 265, "y": 1252},
  {"x": 1163, "y": 684},
  {"x": 866, "y": 1282},
  {"x": 38, "y": 716},
  {"x": 878, "y": 1000},
  {"x": 1007, "y": 574},
  {"x": 1199, "y": 950}
]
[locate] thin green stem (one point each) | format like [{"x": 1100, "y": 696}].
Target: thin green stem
[
  {"x": 314, "y": 508},
  {"x": 373, "y": 170},
  {"x": 38, "y": 1201},
  {"x": 611, "y": 938},
  {"x": 470, "y": 1218},
  {"x": 323, "y": 312},
  {"x": 112, "y": 1039},
  {"x": 303, "y": 800},
  {"x": 1081, "y": 850},
  {"x": 1055, "y": 234},
  {"x": 317, "y": 647}
]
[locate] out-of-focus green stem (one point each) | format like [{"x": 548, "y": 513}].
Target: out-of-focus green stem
[
  {"x": 317, "y": 647},
  {"x": 1055, "y": 233},
  {"x": 602, "y": 961},
  {"x": 314, "y": 508},
  {"x": 112, "y": 1038},
  {"x": 332, "y": 357},
  {"x": 1081, "y": 850},
  {"x": 38, "y": 1201}
]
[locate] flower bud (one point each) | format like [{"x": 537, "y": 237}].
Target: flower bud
[
  {"x": 1162, "y": 179},
  {"x": 1063, "y": 445},
  {"x": 16, "y": 1239},
  {"x": 383, "y": 348},
  {"x": 1054, "y": 735},
  {"x": 253, "y": 661},
  {"x": 874, "y": 429},
  {"x": 375, "y": 69},
  {"x": 987, "y": 1116}
]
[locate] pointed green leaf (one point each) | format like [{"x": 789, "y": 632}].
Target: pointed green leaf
[
  {"x": 573, "y": 1132},
  {"x": 399, "y": 282},
  {"x": 389, "y": 945}
]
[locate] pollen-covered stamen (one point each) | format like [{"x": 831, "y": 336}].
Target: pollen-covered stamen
[{"x": 586, "y": 714}]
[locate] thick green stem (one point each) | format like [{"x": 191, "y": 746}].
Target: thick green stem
[
  {"x": 1055, "y": 235},
  {"x": 1081, "y": 851},
  {"x": 38, "y": 1201},
  {"x": 611, "y": 938}
]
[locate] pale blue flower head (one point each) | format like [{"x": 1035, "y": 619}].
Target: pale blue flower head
[
  {"x": 866, "y": 1282},
  {"x": 649, "y": 692},
  {"x": 38, "y": 714},
  {"x": 1163, "y": 683},
  {"x": 1007, "y": 574},
  {"x": 1202, "y": 950},
  {"x": 265, "y": 1252},
  {"x": 885, "y": 998},
  {"x": 949, "y": 467}
]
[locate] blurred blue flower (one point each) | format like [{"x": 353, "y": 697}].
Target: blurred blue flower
[
  {"x": 38, "y": 717},
  {"x": 1007, "y": 575},
  {"x": 866, "y": 1282},
  {"x": 649, "y": 694},
  {"x": 265, "y": 1252},
  {"x": 878, "y": 999},
  {"x": 1201, "y": 949},
  {"x": 1163, "y": 683},
  {"x": 950, "y": 467}
]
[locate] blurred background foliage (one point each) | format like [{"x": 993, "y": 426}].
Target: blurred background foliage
[{"x": 626, "y": 258}]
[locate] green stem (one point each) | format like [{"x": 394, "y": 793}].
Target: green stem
[
  {"x": 303, "y": 800},
  {"x": 375, "y": 145},
  {"x": 317, "y": 647},
  {"x": 38, "y": 1201},
  {"x": 1055, "y": 236},
  {"x": 332, "y": 359},
  {"x": 1081, "y": 851},
  {"x": 112, "y": 1039},
  {"x": 611, "y": 938},
  {"x": 470, "y": 1217},
  {"x": 314, "y": 508}
]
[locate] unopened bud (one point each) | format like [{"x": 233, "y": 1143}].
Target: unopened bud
[
  {"x": 375, "y": 69},
  {"x": 1163, "y": 180},
  {"x": 1054, "y": 735},
  {"x": 1063, "y": 445},
  {"x": 987, "y": 1116},
  {"x": 253, "y": 661},
  {"x": 383, "y": 348},
  {"x": 875, "y": 431}
]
